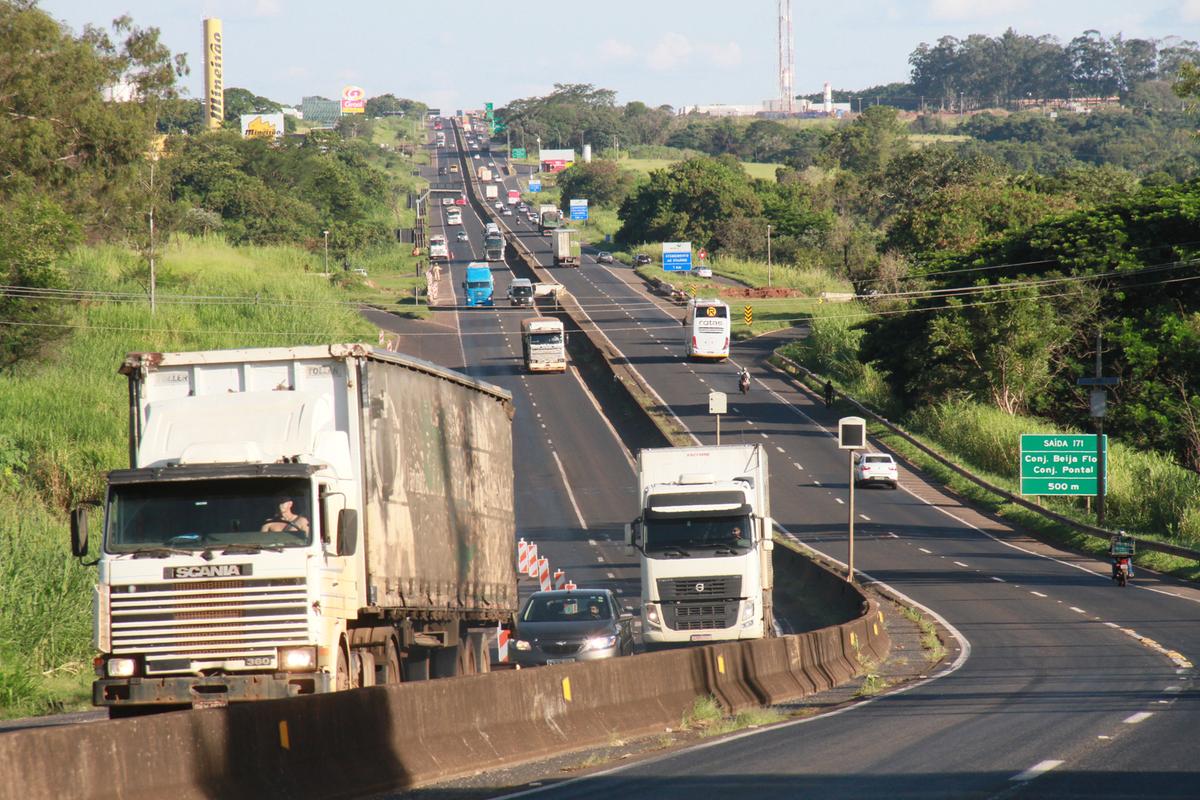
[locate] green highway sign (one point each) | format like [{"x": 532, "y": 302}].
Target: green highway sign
[
  {"x": 518, "y": 152},
  {"x": 1060, "y": 463}
]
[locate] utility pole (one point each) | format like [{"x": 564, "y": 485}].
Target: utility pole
[
  {"x": 768, "y": 255},
  {"x": 153, "y": 283},
  {"x": 326, "y": 251},
  {"x": 1099, "y": 402}
]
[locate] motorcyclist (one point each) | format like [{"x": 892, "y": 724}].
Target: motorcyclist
[
  {"x": 828, "y": 393},
  {"x": 744, "y": 381},
  {"x": 1121, "y": 548}
]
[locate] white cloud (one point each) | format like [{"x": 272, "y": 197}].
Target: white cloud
[
  {"x": 723, "y": 55},
  {"x": 974, "y": 9},
  {"x": 669, "y": 52},
  {"x": 1189, "y": 10},
  {"x": 268, "y": 8},
  {"x": 614, "y": 50}
]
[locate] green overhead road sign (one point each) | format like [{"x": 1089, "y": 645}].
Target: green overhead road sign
[
  {"x": 1060, "y": 464},
  {"x": 518, "y": 152}
]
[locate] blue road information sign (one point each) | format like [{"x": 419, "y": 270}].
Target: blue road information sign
[
  {"x": 677, "y": 256},
  {"x": 535, "y": 186},
  {"x": 1060, "y": 463},
  {"x": 579, "y": 209}
]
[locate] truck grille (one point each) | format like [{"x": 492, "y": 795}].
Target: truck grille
[
  {"x": 705, "y": 587},
  {"x": 175, "y": 624},
  {"x": 700, "y": 616}
]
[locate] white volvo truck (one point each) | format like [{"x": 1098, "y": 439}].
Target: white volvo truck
[
  {"x": 704, "y": 539},
  {"x": 300, "y": 520}
]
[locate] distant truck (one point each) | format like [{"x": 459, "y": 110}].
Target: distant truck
[
  {"x": 565, "y": 251},
  {"x": 704, "y": 538},
  {"x": 549, "y": 218},
  {"x": 491, "y": 191},
  {"x": 543, "y": 344},
  {"x": 493, "y": 244},
  {"x": 514, "y": 197},
  {"x": 479, "y": 284},
  {"x": 483, "y": 173},
  {"x": 296, "y": 521},
  {"x": 438, "y": 249}
]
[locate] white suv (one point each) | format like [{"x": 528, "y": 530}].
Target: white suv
[{"x": 876, "y": 468}]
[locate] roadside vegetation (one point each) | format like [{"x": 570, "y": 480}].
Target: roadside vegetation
[{"x": 239, "y": 261}]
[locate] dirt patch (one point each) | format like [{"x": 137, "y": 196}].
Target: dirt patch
[{"x": 760, "y": 293}]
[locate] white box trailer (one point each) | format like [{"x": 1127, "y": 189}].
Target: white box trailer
[{"x": 300, "y": 520}]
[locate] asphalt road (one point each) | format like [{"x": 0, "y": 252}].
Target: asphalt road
[{"x": 1064, "y": 685}]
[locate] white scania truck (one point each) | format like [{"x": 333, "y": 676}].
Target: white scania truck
[
  {"x": 300, "y": 520},
  {"x": 704, "y": 538}
]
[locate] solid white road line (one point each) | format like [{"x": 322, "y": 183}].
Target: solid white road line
[
  {"x": 570, "y": 494},
  {"x": 1040, "y": 768}
]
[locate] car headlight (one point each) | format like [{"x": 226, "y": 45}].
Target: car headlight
[
  {"x": 650, "y": 614},
  {"x": 748, "y": 610},
  {"x": 121, "y": 667},
  {"x": 520, "y": 644},
  {"x": 298, "y": 659},
  {"x": 600, "y": 643}
]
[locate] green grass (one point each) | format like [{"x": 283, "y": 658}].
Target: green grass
[
  {"x": 923, "y": 139},
  {"x": 931, "y": 643},
  {"x": 647, "y": 165},
  {"x": 63, "y": 419},
  {"x": 708, "y": 718}
]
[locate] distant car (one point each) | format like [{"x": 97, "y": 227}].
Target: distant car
[
  {"x": 703, "y": 272},
  {"x": 442, "y": 170},
  {"x": 447, "y": 201},
  {"x": 533, "y": 216},
  {"x": 454, "y": 167},
  {"x": 476, "y": 156},
  {"x": 520, "y": 292},
  {"x": 559, "y": 627},
  {"x": 876, "y": 468},
  {"x": 642, "y": 258},
  {"x": 604, "y": 257},
  {"x": 359, "y": 271},
  {"x": 507, "y": 211},
  {"x": 460, "y": 201},
  {"x": 461, "y": 236},
  {"x": 498, "y": 204},
  {"x": 524, "y": 209}
]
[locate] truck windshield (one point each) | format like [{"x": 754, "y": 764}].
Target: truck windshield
[
  {"x": 265, "y": 512},
  {"x": 478, "y": 284},
  {"x": 710, "y": 535},
  {"x": 545, "y": 338}
]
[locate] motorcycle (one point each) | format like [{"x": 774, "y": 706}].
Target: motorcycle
[
  {"x": 1120, "y": 550},
  {"x": 744, "y": 382}
]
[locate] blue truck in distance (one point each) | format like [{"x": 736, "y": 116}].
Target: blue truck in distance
[{"x": 479, "y": 284}]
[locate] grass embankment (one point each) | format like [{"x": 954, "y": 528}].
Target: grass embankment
[
  {"x": 754, "y": 169},
  {"x": 769, "y": 313},
  {"x": 63, "y": 419},
  {"x": 1148, "y": 494}
]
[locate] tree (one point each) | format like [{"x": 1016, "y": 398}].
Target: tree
[
  {"x": 243, "y": 101},
  {"x": 602, "y": 182},
  {"x": 34, "y": 233},
  {"x": 869, "y": 142},
  {"x": 687, "y": 201},
  {"x": 1095, "y": 67},
  {"x": 388, "y": 105}
]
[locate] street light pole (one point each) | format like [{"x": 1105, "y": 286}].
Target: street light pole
[
  {"x": 768, "y": 255},
  {"x": 326, "y": 250}
]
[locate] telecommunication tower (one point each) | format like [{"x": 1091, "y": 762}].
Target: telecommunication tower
[{"x": 786, "y": 57}]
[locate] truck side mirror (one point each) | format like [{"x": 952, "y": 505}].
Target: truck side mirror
[
  {"x": 79, "y": 532},
  {"x": 347, "y": 532}
]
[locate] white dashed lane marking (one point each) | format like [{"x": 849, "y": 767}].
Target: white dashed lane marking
[
  {"x": 926, "y": 552},
  {"x": 1141, "y": 716},
  {"x": 1036, "y": 594},
  {"x": 959, "y": 564},
  {"x": 1040, "y": 768}
]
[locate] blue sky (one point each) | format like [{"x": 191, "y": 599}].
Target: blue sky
[{"x": 460, "y": 53}]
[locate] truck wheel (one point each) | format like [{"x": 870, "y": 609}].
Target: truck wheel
[
  {"x": 341, "y": 675},
  {"x": 389, "y": 668}
]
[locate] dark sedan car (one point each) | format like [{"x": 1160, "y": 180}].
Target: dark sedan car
[
  {"x": 559, "y": 627},
  {"x": 642, "y": 258}
]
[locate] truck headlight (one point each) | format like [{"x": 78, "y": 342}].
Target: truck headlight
[
  {"x": 121, "y": 667},
  {"x": 650, "y": 614},
  {"x": 298, "y": 659},
  {"x": 748, "y": 611},
  {"x": 521, "y": 645},
  {"x": 600, "y": 643}
]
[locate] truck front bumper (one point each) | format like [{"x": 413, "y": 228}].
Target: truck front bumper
[{"x": 185, "y": 690}]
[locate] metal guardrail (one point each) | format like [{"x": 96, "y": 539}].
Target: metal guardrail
[{"x": 1082, "y": 527}]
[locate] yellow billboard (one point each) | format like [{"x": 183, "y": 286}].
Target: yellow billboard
[
  {"x": 214, "y": 75},
  {"x": 354, "y": 100}
]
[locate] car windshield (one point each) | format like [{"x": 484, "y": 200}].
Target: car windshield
[
  {"x": 682, "y": 536},
  {"x": 190, "y": 515},
  {"x": 567, "y": 608},
  {"x": 522, "y": 291}
]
